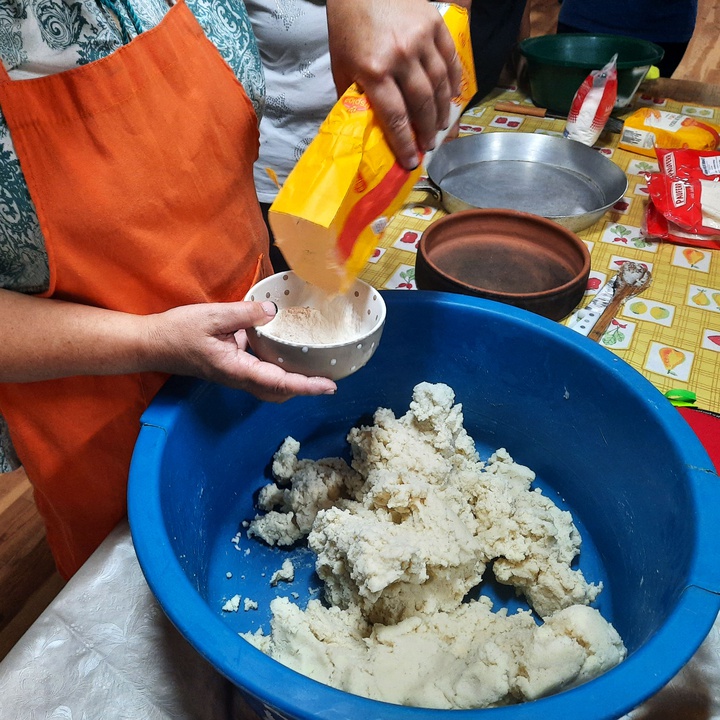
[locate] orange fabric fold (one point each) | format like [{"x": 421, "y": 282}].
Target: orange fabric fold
[{"x": 140, "y": 168}]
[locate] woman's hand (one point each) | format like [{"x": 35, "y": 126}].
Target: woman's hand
[
  {"x": 47, "y": 339},
  {"x": 402, "y": 55},
  {"x": 209, "y": 341}
]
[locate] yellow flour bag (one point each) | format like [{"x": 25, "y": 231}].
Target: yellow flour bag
[
  {"x": 648, "y": 128},
  {"x": 338, "y": 199}
]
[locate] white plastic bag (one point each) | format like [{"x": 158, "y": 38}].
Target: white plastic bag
[{"x": 592, "y": 105}]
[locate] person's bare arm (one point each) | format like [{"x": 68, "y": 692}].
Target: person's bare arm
[
  {"x": 402, "y": 55},
  {"x": 45, "y": 339}
]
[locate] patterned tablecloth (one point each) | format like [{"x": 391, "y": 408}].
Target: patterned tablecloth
[{"x": 680, "y": 310}]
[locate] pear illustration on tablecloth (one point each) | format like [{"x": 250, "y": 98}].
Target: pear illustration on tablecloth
[
  {"x": 671, "y": 358},
  {"x": 693, "y": 256},
  {"x": 701, "y": 298}
]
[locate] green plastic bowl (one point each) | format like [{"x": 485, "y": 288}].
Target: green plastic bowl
[{"x": 558, "y": 64}]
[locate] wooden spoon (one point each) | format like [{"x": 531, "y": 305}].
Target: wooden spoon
[
  {"x": 613, "y": 124},
  {"x": 631, "y": 280}
]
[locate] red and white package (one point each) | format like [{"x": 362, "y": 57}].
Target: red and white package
[
  {"x": 685, "y": 197},
  {"x": 684, "y": 162},
  {"x": 592, "y": 105},
  {"x": 656, "y": 225}
]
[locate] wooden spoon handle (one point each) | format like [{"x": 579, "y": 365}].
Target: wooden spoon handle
[
  {"x": 509, "y": 107},
  {"x": 610, "y": 311}
]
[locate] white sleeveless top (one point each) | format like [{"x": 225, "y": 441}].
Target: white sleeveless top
[{"x": 299, "y": 89}]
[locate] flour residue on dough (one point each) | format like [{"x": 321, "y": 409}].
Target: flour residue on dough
[
  {"x": 401, "y": 534},
  {"x": 315, "y": 318}
]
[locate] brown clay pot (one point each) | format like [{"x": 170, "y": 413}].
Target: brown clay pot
[{"x": 505, "y": 255}]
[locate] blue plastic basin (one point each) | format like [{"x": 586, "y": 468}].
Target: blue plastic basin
[{"x": 601, "y": 439}]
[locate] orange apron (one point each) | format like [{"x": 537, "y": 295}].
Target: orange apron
[{"x": 140, "y": 169}]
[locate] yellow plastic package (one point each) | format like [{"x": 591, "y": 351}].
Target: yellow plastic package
[
  {"x": 328, "y": 216},
  {"x": 648, "y": 128}
]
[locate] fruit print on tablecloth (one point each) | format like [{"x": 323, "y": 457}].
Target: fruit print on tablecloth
[
  {"x": 640, "y": 167},
  {"x": 378, "y": 252},
  {"x": 511, "y": 122},
  {"x": 622, "y": 206},
  {"x": 617, "y": 260},
  {"x": 618, "y": 234},
  {"x": 419, "y": 211},
  {"x": 642, "y": 190},
  {"x": 711, "y": 340},
  {"x": 704, "y": 298},
  {"x": 645, "y": 99},
  {"x": 619, "y": 334},
  {"x": 595, "y": 282},
  {"x": 692, "y": 258},
  {"x": 640, "y": 308},
  {"x": 671, "y": 362},
  {"x": 697, "y": 111},
  {"x": 408, "y": 240},
  {"x": 402, "y": 279},
  {"x": 470, "y": 129}
]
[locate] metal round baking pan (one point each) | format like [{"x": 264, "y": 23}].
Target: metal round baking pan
[{"x": 556, "y": 178}]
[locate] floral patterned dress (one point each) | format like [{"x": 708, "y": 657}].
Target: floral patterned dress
[{"x": 42, "y": 37}]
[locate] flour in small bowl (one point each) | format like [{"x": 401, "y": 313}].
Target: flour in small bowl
[{"x": 315, "y": 319}]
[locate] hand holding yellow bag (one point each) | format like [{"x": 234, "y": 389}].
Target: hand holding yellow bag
[{"x": 338, "y": 199}]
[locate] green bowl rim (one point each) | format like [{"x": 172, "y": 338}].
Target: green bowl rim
[{"x": 529, "y": 50}]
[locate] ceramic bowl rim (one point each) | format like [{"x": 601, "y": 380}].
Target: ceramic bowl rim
[
  {"x": 324, "y": 346},
  {"x": 569, "y": 235}
]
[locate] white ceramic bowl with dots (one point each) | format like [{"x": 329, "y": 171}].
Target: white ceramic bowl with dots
[{"x": 332, "y": 360}]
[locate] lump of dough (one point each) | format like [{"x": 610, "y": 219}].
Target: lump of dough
[
  {"x": 572, "y": 646},
  {"x": 466, "y": 658},
  {"x": 401, "y": 535},
  {"x": 314, "y": 485}
]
